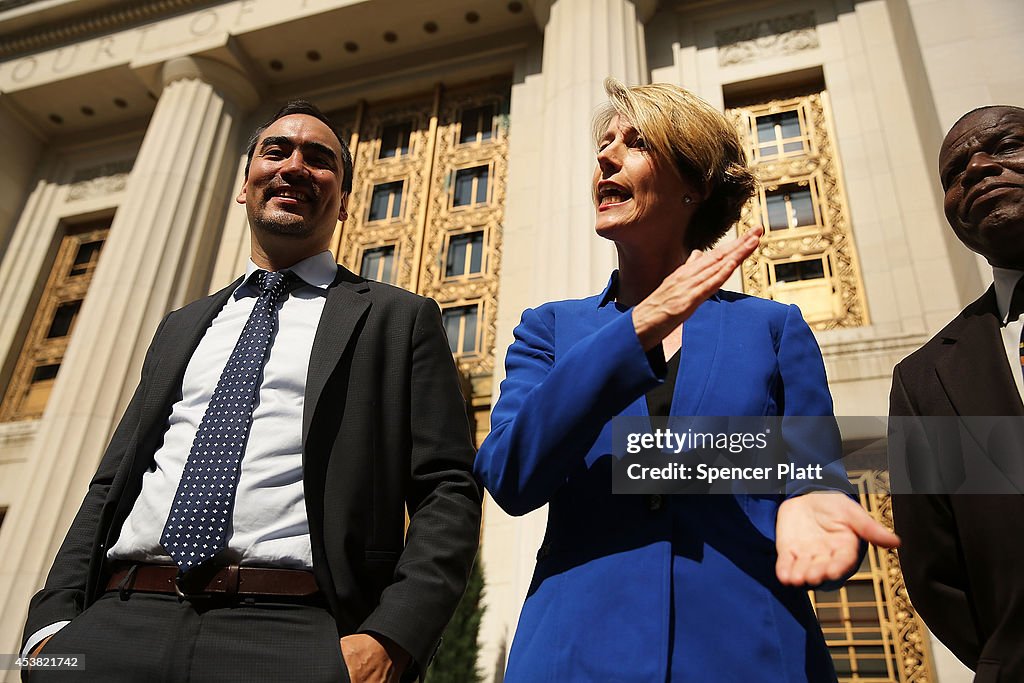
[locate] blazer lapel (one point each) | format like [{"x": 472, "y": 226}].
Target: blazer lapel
[
  {"x": 976, "y": 377},
  {"x": 973, "y": 371},
  {"x": 344, "y": 308}
]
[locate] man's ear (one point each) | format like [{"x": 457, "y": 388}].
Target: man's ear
[
  {"x": 343, "y": 209},
  {"x": 241, "y": 193}
]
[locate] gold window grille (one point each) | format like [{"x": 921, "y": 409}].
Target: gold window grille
[
  {"x": 435, "y": 144},
  {"x": 802, "y": 205},
  {"x": 51, "y": 328},
  {"x": 870, "y": 627}
]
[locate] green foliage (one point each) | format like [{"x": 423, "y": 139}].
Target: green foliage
[{"x": 456, "y": 660}]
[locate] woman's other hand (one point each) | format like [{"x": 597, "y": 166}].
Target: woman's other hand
[
  {"x": 817, "y": 536},
  {"x": 679, "y": 295}
]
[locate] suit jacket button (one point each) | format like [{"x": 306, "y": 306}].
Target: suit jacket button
[{"x": 654, "y": 502}]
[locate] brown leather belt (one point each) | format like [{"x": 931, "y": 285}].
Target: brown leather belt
[{"x": 230, "y": 581}]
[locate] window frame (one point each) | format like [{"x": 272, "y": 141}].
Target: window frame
[
  {"x": 453, "y": 177},
  {"x": 484, "y": 250},
  {"x": 367, "y": 248},
  {"x": 478, "y": 305},
  {"x": 38, "y": 350},
  {"x": 390, "y": 216}
]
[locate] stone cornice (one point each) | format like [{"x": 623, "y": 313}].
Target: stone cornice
[{"x": 127, "y": 15}]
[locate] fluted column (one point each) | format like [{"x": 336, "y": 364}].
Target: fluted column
[
  {"x": 23, "y": 145},
  {"x": 157, "y": 256},
  {"x": 585, "y": 41}
]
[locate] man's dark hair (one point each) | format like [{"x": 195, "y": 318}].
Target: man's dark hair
[{"x": 309, "y": 109}]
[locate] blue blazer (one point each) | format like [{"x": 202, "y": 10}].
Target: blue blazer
[{"x": 631, "y": 588}]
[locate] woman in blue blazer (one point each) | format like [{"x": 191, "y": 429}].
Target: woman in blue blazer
[{"x": 632, "y": 588}]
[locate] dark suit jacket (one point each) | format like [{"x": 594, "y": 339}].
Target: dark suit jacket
[
  {"x": 963, "y": 555},
  {"x": 384, "y": 427}
]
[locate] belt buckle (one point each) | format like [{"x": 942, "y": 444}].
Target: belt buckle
[
  {"x": 179, "y": 590},
  {"x": 213, "y": 581}
]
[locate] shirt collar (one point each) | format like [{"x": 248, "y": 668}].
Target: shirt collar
[
  {"x": 1005, "y": 282},
  {"x": 317, "y": 271}
]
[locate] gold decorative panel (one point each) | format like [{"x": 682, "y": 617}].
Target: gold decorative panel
[
  {"x": 53, "y": 323},
  {"x": 802, "y": 205},
  {"x": 450, "y": 152},
  {"x": 869, "y": 624}
]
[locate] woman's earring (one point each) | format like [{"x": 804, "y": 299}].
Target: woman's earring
[{"x": 687, "y": 200}]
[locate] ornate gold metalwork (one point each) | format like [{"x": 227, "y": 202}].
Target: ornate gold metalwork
[
  {"x": 839, "y": 302},
  {"x": 53, "y": 323},
  {"x": 901, "y": 645},
  {"x": 428, "y": 219}
]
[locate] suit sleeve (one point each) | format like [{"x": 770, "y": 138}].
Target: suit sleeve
[
  {"x": 444, "y": 502},
  {"x": 550, "y": 413},
  {"x": 63, "y": 595},
  {"x": 930, "y": 556}
]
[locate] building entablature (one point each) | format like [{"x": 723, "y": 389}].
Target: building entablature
[{"x": 69, "y": 72}]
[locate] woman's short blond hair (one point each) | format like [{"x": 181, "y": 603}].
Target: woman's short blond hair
[{"x": 685, "y": 133}]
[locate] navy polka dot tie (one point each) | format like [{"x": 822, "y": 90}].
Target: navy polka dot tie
[{"x": 197, "y": 525}]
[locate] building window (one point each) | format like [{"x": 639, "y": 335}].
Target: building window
[
  {"x": 807, "y": 255},
  {"x": 793, "y": 205},
  {"x": 851, "y": 620},
  {"x": 870, "y": 627},
  {"x": 470, "y": 186},
  {"x": 465, "y": 254},
  {"x": 779, "y": 135},
  {"x": 798, "y": 271},
  {"x": 53, "y": 324},
  {"x": 378, "y": 264},
  {"x": 394, "y": 140},
  {"x": 460, "y": 324},
  {"x": 808, "y": 283},
  {"x": 476, "y": 124},
  {"x": 451, "y": 149},
  {"x": 386, "y": 201}
]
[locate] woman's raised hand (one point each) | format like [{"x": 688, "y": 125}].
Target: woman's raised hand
[{"x": 688, "y": 287}]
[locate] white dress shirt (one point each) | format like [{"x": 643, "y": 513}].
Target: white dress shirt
[
  {"x": 268, "y": 524},
  {"x": 1005, "y": 282}
]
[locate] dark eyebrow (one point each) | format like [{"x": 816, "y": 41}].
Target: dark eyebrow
[{"x": 283, "y": 141}]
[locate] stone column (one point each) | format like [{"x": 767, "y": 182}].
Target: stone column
[
  {"x": 585, "y": 41},
  {"x": 156, "y": 257},
  {"x": 24, "y": 144}
]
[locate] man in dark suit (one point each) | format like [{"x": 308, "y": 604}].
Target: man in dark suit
[
  {"x": 188, "y": 561},
  {"x": 962, "y": 555}
]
